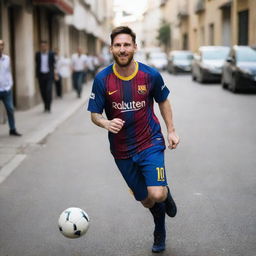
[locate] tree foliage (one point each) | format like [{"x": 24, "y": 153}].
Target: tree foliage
[{"x": 164, "y": 34}]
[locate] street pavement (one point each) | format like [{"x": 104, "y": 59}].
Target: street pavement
[
  {"x": 211, "y": 175},
  {"x": 35, "y": 126}
]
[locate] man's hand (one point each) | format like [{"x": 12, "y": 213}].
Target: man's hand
[
  {"x": 115, "y": 125},
  {"x": 173, "y": 140}
]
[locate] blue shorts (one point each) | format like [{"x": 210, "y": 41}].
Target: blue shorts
[{"x": 144, "y": 169}]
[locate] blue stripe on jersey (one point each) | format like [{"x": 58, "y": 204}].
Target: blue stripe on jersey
[{"x": 132, "y": 101}]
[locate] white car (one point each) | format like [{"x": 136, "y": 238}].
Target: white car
[{"x": 158, "y": 60}]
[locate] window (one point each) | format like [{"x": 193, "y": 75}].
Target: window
[
  {"x": 211, "y": 34},
  {"x": 243, "y": 27},
  {"x": 185, "y": 41}
]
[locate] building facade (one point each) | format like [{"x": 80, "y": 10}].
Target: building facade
[
  {"x": 210, "y": 22},
  {"x": 65, "y": 24}
]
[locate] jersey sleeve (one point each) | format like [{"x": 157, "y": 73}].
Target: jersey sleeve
[
  {"x": 97, "y": 98},
  {"x": 160, "y": 91}
]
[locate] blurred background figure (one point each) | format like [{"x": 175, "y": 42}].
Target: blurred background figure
[
  {"x": 6, "y": 84},
  {"x": 45, "y": 67},
  {"x": 64, "y": 66},
  {"x": 57, "y": 75},
  {"x": 90, "y": 66},
  {"x": 79, "y": 63}
]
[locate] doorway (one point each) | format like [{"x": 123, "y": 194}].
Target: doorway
[{"x": 243, "y": 20}]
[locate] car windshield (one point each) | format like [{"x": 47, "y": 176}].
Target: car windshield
[
  {"x": 181, "y": 56},
  {"x": 215, "y": 54},
  {"x": 246, "y": 55}
]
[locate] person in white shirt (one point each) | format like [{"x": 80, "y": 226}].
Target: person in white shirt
[
  {"x": 63, "y": 67},
  {"x": 6, "y": 84},
  {"x": 79, "y": 68}
]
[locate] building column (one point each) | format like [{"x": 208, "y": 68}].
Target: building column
[{"x": 24, "y": 58}]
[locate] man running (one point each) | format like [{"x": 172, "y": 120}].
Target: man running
[{"x": 126, "y": 90}]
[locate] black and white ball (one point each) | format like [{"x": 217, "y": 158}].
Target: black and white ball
[{"x": 73, "y": 222}]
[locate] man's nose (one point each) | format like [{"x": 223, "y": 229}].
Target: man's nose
[{"x": 122, "y": 48}]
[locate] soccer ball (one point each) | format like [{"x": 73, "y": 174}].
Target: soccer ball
[{"x": 73, "y": 222}]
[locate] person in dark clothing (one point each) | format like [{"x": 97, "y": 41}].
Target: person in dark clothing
[{"x": 45, "y": 65}]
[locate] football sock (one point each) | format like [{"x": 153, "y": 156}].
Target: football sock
[{"x": 158, "y": 212}]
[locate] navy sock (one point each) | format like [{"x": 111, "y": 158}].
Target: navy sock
[{"x": 158, "y": 212}]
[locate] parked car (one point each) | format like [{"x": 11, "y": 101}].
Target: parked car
[
  {"x": 179, "y": 61},
  {"x": 239, "y": 71},
  {"x": 157, "y": 60},
  {"x": 208, "y": 63}
]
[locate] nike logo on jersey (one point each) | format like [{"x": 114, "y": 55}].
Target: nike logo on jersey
[{"x": 110, "y": 93}]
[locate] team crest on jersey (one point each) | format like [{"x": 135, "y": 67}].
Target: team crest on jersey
[{"x": 142, "y": 89}]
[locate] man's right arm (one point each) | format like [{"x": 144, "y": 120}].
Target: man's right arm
[{"x": 114, "y": 125}]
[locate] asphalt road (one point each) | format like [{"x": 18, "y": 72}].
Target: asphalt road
[{"x": 211, "y": 174}]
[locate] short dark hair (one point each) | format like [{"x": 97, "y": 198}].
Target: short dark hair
[
  {"x": 43, "y": 42},
  {"x": 122, "y": 30}
]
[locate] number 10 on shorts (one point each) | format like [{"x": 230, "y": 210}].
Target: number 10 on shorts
[{"x": 160, "y": 174}]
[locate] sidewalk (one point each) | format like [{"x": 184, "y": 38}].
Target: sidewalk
[{"x": 35, "y": 126}]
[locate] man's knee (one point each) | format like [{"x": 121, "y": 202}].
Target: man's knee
[
  {"x": 157, "y": 194},
  {"x": 148, "y": 203}
]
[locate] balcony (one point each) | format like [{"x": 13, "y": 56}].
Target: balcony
[
  {"x": 63, "y": 6},
  {"x": 163, "y": 2},
  {"x": 199, "y": 6},
  {"x": 183, "y": 13}
]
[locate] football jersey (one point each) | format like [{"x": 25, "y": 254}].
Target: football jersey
[{"x": 132, "y": 100}]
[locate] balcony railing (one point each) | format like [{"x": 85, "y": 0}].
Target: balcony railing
[{"x": 200, "y": 6}]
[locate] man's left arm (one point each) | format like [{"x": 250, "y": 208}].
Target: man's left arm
[{"x": 166, "y": 112}]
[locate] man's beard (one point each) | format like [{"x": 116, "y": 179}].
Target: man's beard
[{"x": 121, "y": 64}]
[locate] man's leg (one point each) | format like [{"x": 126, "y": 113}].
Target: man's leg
[
  {"x": 80, "y": 81},
  {"x": 48, "y": 94},
  {"x": 42, "y": 81},
  {"x": 58, "y": 85},
  {"x": 153, "y": 169},
  {"x": 8, "y": 103},
  {"x": 158, "y": 194},
  {"x": 158, "y": 212}
]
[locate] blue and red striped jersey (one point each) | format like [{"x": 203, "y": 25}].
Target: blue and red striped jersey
[{"x": 132, "y": 100}]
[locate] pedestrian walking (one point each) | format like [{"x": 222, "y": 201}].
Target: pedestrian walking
[
  {"x": 6, "y": 83},
  {"x": 79, "y": 69},
  {"x": 126, "y": 90},
  {"x": 45, "y": 71}
]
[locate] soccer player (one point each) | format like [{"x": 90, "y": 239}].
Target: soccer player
[{"x": 126, "y": 90}]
